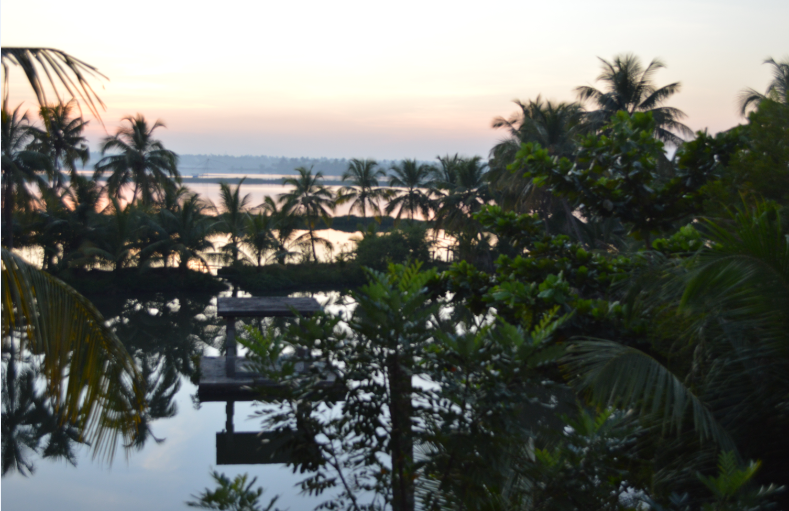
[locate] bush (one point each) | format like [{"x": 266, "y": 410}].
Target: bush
[{"x": 401, "y": 245}]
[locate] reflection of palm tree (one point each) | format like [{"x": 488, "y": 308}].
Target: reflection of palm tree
[
  {"x": 629, "y": 87},
  {"x": 778, "y": 90},
  {"x": 28, "y": 419},
  {"x": 19, "y": 167},
  {"x": 142, "y": 161},
  {"x": 91, "y": 380},
  {"x": 413, "y": 178},
  {"x": 61, "y": 139},
  {"x": 364, "y": 191},
  {"x": 312, "y": 201}
]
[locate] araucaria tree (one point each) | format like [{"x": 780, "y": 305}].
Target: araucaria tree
[{"x": 141, "y": 160}]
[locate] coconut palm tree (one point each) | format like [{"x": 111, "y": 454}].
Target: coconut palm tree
[
  {"x": 142, "y": 161},
  {"x": 60, "y": 68},
  {"x": 260, "y": 235},
  {"x": 629, "y": 87},
  {"x": 414, "y": 179},
  {"x": 184, "y": 230},
  {"x": 20, "y": 166},
  {"x": 364, "y": 192},
  {"x": 556, "y": 127},
  {"x": 310, "y": 200},
  {"x": 728, "y": 307},
  {"x": 61, "y": 139},
  {"x": 233, "y": 219},
  {"x": 778, "y": 90},
  {"x": 284, "y": 225}
]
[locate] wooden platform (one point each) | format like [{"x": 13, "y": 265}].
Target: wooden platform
[{"x": 265, "y": 307}]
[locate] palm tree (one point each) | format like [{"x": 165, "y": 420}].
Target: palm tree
[
  {"x": 58, "y": 67},
  {"x": 284, "y": 226},
  {"x": 233, "y": 220},
  {"x": 728, "y": 305},
  {"x": 414, "y": 179},
  {"x": 364, "y": 191},
  {"x": 20, "y": 166},
  {"x": 184, "y": 231},
  {"x": 142, "y": 161},
  {"x": 465, "y": 194},
  {"x": 44, "y": 317},
  {"x": 629, "y": 87},
  {"x": 62, "y": 139},
  {"x": 117, "y": 240},
  {"x": 312, "y": 201},
  {"x": 260, "y": 234},
  {"x": 556, "y": 127},
  {"x": 778, "y": 90}
]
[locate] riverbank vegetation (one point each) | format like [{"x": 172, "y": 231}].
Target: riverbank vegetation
[{"x": 611, "y": 332}]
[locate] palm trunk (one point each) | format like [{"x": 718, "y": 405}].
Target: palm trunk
[
  {"x": 312, "y": 242},
  {"x": 8, "y": 213}
]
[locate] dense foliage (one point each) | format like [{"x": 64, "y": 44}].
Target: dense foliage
[{"x": 612, "y": 333}]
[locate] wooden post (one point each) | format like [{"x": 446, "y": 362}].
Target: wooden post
[
  {"x": 229, "y": 409},
  {"x": 230, "y": 347}
]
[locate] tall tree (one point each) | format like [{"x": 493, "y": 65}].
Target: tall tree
[
  {"x": 629, "y": 87},
  {"x": 414, "y": 179},
  {"x": 285, "y": 226},
  {"x": 142, "y": 160},
  {"x": 363, "y": 192},
  {"x": 556, "y": 127},
  {"x": 312, "y": 201},
  {"x": 62, "y": 140},
  {"x": 233, "y": 219},
  {"x": 778, "y": 90},
  {"x": 20, "y": 166}
]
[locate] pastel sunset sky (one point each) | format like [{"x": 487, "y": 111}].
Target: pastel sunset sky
[{"x": 385, "y": 80}]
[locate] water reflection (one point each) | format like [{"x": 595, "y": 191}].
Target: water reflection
[
  {"x": 30, "y": 425},
  {"x": 166, "y": 334}
]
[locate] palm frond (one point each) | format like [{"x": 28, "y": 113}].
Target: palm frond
[
  {"x": 60, "y": 68},
  {"x": 91, "y": 379},
  {"x": 623, "y": 376}
]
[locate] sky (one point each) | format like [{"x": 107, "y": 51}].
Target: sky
[{"x": 384, "y": 80}]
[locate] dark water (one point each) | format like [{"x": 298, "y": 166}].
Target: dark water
[{"x": 165, "y": 334}]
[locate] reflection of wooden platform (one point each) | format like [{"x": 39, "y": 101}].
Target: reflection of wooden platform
[
  {"x": 252, "y": 448},
  {"x": 216, "y": 385},
  {"x": 231, "y": 379},
  {"x": 265, "y": 307}
]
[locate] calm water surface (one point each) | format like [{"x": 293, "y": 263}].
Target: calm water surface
[{"x": 166, "y": 333}]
